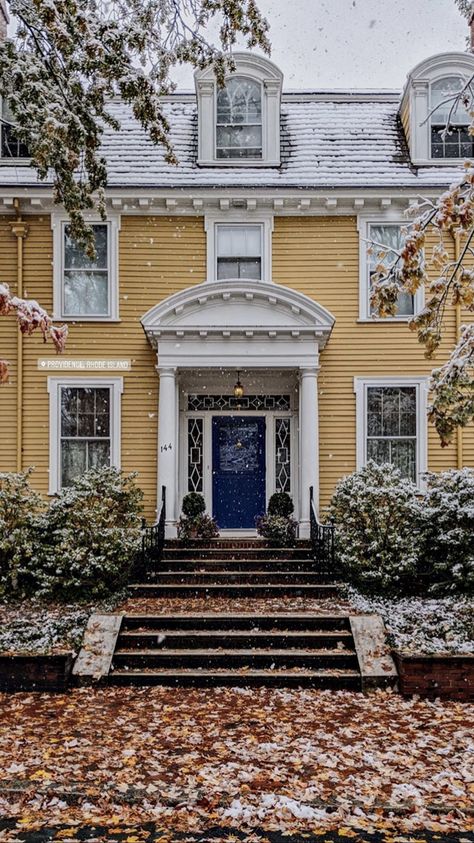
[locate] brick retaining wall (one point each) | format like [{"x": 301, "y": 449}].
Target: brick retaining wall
[{"x": 445, "y": 676}]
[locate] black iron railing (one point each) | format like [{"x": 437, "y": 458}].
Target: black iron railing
[
  {"x": 322, "y": 540},
  {"x": 153, "y": 540}
]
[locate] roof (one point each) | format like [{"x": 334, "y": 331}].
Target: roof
[{"x": 354, "y": 140}]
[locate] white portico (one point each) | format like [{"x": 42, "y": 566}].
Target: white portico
[{"x": 203, "y": 336}]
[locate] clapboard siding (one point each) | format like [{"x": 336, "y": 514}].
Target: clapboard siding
[
  {"x": 8, "y": 351},
  {"x": 320, "y": 257}
]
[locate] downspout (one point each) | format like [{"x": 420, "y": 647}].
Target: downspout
[
  {"x": 457, "y": 312},
  {"x": 19, "y": 230}
]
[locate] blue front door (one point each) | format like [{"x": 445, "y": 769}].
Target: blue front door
[{"x": 238, "y": 471}]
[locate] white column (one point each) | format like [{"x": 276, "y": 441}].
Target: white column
[
  {"x": 309, "y": 444},
  {"x": 168, "y": 445}
]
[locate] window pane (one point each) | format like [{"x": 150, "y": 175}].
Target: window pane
[
  {"x": 251, "y": 269},
  {"x": 86, "y": 293},
  {"x": 378, "y": 450},
  {"x": 240, "y": 101},
  {"x": 11, "y": 146},
  {"x": 240, "y": 137},
  {"x": 403, "y": 456},
  {"x": 227, "y": 269},
  {"x": 239, "y": 241},
  {"x": 445, "y": 89},
  {"x": 73, "y": 460},
  {"x": 98, "y": 454},
  {"x": 68, "y": 411},
  {"x": 75, "y": 256},
  {"x": 389, "y": 236}
]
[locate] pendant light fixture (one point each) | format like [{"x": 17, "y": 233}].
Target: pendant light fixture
[{"x": 238, "y": 388}]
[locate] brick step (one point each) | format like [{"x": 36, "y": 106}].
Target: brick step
[
  {"x": 281, "y": 621},
  {"x": 231, "y": 638},
  {"x": 318, "y": 592},
  {"x": 251, "y": 565},
  {"x": 232, "y": 542},
  {"x": 277, "y": 553},
  {"x": 266, "y": 659},
  {"x": 237, "y": 577},
  {"x": 349, "y": 680}
]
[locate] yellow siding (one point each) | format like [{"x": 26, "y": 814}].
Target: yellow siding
[
  {"x": 158, "y": 256},
  {"x": 405, "y": 116},
  {"x": 8, "y": 346},
  {"x": 320, "y": 257}
]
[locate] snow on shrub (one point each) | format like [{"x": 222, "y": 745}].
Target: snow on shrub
[
  {"x": 374, "y": 512},
  {"x": 447, "y": 531},
  {"x": 89, "y": 536},
  {"x": 19, "y": 505}
]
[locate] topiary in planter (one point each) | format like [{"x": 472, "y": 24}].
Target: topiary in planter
[
  {"x": 193, "y": 505},
  {"x": 278, "y": 530},
  {"x": 281, "y": 504}
]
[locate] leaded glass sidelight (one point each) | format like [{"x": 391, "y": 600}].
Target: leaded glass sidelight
[
  {"x": 283, "y": 455},
  {"x": 392, "y": 428},
  {"x": 239, "y": 119},
  {"x": 450, "y": 136},
  {"x": 195, "y": 454},
  {"x": 85, "y": 431},
  {"x": 86, "y": 280},
  {"x": 390, "y": 239}
]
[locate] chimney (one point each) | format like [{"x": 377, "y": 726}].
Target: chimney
[{"x": 4, "y": 19}]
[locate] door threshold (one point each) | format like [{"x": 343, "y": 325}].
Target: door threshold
[{"x": 238, "y": 534}]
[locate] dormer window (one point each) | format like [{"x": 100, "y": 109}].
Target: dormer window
[
  {"x": 450, "y": 136},
  {"x": 239, "y": 124},
  {"x": 239, "y": 119},
  {"x": 11, "y": 147},
  {"x": 436, "y": 132}
]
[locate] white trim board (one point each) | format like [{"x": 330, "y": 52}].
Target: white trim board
[{"x": 55, "y": 384}]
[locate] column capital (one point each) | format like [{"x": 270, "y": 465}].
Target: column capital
[
  {"x": 166, "y": 371},
  {"x": 309, "y": 371}
]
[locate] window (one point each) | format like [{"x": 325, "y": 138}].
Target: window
[
  {"x": 239, "y": 252},
  {"x": 457, "y": 143},
  {"x": 391, "y": 423},
  {"x": 11, "y": 146},
  {"x": 84, "y": 427},
  {"x": 239, "y": 119},
  {"x": 387, "y": 235},
  {"x": 86, "y": 289}
]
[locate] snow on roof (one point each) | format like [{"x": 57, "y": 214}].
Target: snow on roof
[{"x": 353, "y": 142}]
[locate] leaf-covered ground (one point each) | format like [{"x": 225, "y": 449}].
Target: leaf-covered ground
[{"x": 278, "y": 760}]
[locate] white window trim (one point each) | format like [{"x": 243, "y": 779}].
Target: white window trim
[
  {"x": 420, "y": 382},
  {"x": 58, "y": 223},
  {"x": 363, "y": 225},
  {"x": 212, "y": 220},
  {"x": 55, "y": 384}
]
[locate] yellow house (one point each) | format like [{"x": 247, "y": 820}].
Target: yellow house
[{"x": 222, "y": 341}]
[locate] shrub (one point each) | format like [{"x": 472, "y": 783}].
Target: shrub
[
  {"x": 19, "y": 506},
  {"x": 199, "y": 527},
  {"x": 193, "y": 505},
  {"x": 278, "y": 530},
  {"x": 447, "y": 531},
  {"x": 90, "y": 536},
  {"x": 375, "y": 512},
  {"x": 280, "y": 503}
]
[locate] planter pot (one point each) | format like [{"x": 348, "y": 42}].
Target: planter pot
[
  {"x": 24, "y": 672},
  {"x": 450, "y": 677}
]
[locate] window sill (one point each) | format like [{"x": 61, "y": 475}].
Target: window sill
[
  {"x": 237, "y": 162},
  {"x": 15, "y": 162},
  {"x": 439, "y": 162},
  {"x": 79, "y": 319},
  {"x": 366, "y": 320}
]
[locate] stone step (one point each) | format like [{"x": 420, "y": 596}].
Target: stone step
[
  {"x": 238, "y": 564},
  {"x": 237, "y": 577},
  {"x": 318, "y": 592},
  {"x": 238, "y": 621},
  {"x": 235, "y": 639},
  {"x": 266, "y": 659},
  {"x": 322, "y": 679}
]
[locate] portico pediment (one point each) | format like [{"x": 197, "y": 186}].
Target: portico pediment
[{"x": 238, "y": 310}]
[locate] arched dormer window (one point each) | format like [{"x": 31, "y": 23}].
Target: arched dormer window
[
  {"x": 449, "y": 126},
  {"x": 239, "y": 119},
  {"x": 430, "y": 86},
  {"x": 239, "y": 124}
]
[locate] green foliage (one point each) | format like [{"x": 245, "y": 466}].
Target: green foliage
[
  {"x": 19, "y": 507},
  {"x": 89, "y": 537},
  {"x": 447, "y": 532},
  {"x": 280, "y": 503},
  {"x": 68, "y": 59},
  {"x": 375, "y": 512},
  {"x": 193, "y": 505},
  {"x": 200, "y": 527},
  {"x": 278, "y": 530}
]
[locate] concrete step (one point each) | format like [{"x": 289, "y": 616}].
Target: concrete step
[
  {"x": 266, "y": 659},
  {"x": 318, "y": 592},
  {"x": 322, "y": 679},
  {"x": 236, "y": 639},
  {"x": 238, "y": 621}
]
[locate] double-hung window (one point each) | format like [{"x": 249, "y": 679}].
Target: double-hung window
[
  {"x": 239, "y": 252},
  {"x": 86, "y": 288},
  {"x": 391, "y": 423},
  {"x": 450, "y": 136},
  {"x": 84, "y": 427},
  {"x": 385, "y": 240},
  {"x": 239, "y": 119},
  {"x": 11, "y": 147}
]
